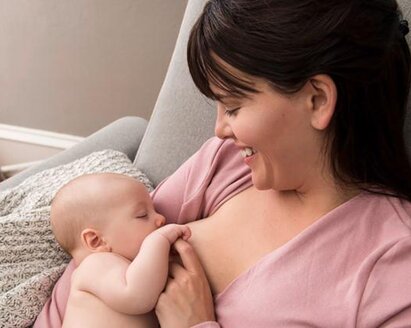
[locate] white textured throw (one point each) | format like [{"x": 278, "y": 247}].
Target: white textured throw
[{"x": 30, "y": 259}]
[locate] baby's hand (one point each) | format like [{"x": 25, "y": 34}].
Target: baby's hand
[{"x": 174, "y": 231}]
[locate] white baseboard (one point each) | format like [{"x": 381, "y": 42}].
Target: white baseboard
[
  {"x": 12, "y": 169},
  {"x": 38, "y": 137}
]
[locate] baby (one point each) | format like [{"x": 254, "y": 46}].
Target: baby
[{"x": 120, "y": 247}]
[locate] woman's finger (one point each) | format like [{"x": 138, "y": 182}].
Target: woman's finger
[
  {"x": 188, "y": 256},
  {"x": 176, "y": 270}
]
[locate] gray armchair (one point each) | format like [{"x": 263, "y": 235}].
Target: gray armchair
[{"x": 181, "y": 121}]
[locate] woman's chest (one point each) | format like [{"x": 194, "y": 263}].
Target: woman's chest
[
  {"x": 238, "y": 236},
  {"x": 255, "y": 269}
]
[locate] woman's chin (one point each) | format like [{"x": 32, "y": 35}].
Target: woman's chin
[{"x": 261, "y": 184}]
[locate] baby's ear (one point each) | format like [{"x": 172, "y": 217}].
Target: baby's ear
[{"x": 94, "y": 241}]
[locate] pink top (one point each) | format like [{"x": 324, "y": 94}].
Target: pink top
[{"x": 351, "y": 268}]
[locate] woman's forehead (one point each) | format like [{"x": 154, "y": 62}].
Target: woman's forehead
[
  {"x": 227, "y": 79},
  {"x": 223, "y": 93},
  {"x": 231, "y": 70}
]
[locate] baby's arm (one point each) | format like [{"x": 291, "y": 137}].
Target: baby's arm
[
  {"x": 147, "y": 274},
  {"x": 134, "y": 287}
]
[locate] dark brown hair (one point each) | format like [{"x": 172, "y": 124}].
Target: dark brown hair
[{"x": 358, "y": 43}]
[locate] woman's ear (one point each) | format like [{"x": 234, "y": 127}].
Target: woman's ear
[
  {"x": 93, "y": 240},
  {"x": 323, "y": 100}
]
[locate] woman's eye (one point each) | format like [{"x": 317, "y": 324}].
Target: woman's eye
[{"x": 231, "y": 112}]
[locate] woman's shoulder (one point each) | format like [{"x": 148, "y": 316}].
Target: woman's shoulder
[
  {"x": 389, "y": 265},
  {"x": 214, "y": 173},
  {"x": 387, "y": 208},
  {"x": 370, "y": 223}
]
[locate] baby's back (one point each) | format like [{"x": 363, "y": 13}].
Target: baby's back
[{"x": 86, "y": 310}]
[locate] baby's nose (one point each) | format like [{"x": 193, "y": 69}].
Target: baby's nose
[{"x": 160, "y": 221}]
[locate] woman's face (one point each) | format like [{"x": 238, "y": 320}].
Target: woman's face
[{"x": 275, "y": 135}]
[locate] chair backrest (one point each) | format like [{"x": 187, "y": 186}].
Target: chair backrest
[{"x": 183, "y": 119}]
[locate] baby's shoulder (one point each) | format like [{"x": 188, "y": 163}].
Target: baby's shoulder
[{"x": 98, "y": 264}]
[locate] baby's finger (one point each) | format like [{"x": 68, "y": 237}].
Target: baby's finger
[{"x": 186, "y": 233}]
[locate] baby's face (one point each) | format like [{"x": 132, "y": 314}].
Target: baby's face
[{"x": 130, "y": 217}]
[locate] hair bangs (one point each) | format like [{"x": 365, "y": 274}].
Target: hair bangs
[{"x": 207, "y": 68}]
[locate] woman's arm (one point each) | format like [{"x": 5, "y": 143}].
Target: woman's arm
[{"x": 53, "y": 311}]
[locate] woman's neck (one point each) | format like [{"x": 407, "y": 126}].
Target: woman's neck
[{"x": 316, "y": 199}]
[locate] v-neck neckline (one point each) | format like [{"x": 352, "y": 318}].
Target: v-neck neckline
[{"x": 283, "y": 249}]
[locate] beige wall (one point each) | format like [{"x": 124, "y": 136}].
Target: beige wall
[{"x": 72, "y": 66}]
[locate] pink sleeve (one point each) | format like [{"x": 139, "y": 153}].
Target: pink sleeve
[
  {"x": 51, "y": 316},
  {"x": 213, "y": 174},
  {"x": 386, "y": 298}
]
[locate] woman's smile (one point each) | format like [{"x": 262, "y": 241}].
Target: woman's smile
[{"x": 248, "y": 155}]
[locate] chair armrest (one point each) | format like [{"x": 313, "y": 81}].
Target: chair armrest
[{"x": 124, "y": 135}]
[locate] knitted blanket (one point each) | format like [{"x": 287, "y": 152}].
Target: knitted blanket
[{"x": 30, "y": 259}]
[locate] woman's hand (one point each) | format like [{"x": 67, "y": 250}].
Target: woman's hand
[{"x": 186, "y": 300}]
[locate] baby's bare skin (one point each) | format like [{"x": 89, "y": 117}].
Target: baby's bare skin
[
  {"x": 107, "y": 290},
  {"x": 92, "y": 312},
  {"x": 108, "y": 224}
]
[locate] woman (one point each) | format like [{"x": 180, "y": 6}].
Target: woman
[
  {"x": 317, "y": 108},
  {"x": 311, "y": 227}
]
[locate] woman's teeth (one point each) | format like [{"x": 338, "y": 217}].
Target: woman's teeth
[{"x": 246, "y": 152}]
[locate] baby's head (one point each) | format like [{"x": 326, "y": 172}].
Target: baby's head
[{"x": 103, "y": 212}]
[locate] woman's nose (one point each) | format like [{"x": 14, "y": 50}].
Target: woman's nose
[
  {"x": 222, "y": 128},
  {"x": 160, "y": 221}
]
